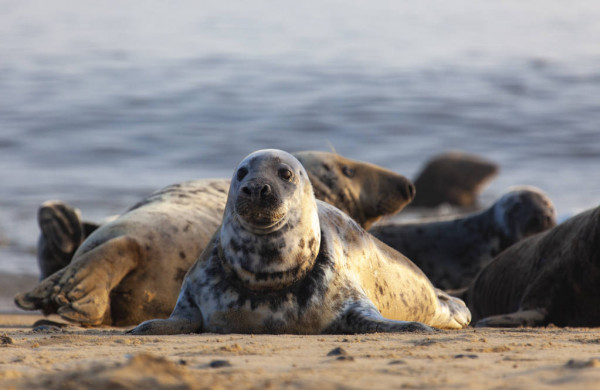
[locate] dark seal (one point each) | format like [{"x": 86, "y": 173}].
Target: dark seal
[
  {"x": 549, "y": 278},
  {"x": 452, "y": 250}
]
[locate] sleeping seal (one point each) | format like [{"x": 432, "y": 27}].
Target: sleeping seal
[
  {"x": 284, "y": 262},
  {"x": 549, "y": 278},
  {"x": 451, "y": 251},
  {"x": 131, "y": 269}
]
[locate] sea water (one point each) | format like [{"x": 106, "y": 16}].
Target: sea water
[{"x": 102, "y": 103}]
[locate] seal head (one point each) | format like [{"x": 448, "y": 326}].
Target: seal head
[
  {"x": 270, "y": 235},
  {"x": 362, "y": 190}
]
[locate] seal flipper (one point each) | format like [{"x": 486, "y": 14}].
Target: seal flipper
[
  {"x": 363, "y": 317},
  {"x": 40, "y": 297},
  {"x": 167, "y": 326},
  {"x": 186, "y": 318},
  {"x": 451, "y": 313},
  {"x": 535, "y": 317},
  {"x": 61, "y": 233},
  {"x": 80, "y": 291}
]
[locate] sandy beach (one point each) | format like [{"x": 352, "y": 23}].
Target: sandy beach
[{"x": 106, "y": 358}]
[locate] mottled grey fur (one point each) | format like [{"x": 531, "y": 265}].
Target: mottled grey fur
[
  {"x": 133, "y": 287},
  {"x": 327, "y": 275}
]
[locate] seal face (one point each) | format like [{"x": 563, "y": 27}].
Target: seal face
[
  {"x": 270, "y": 225},
  {"x": 451, "y": 251},
  {"x": 315, "y": 272},
  {"x": 363, "y": 191},
  {"x": 550, "y": 277}
]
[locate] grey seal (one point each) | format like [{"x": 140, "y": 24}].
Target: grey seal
[
  {"x": 284, "y": 262},
  {"x": 452, "y": 250},
  {"x": 549, "y": 278}
]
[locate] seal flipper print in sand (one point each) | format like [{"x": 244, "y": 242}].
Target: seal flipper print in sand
[{"x": 284, "y": 262}]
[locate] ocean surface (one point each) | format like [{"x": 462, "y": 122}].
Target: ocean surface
[{"x": 102, "y": 103}]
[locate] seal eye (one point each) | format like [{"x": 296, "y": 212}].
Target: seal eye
[
  {"x": 285, "y": 174},
  {"x": 241, "y": 173},
  {"x": 349, "y": 172}
]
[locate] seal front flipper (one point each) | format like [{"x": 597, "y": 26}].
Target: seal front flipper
[
  {"x": 363, "y": 317},
  {"x": 80, "y": 292},
  {"x": 535, "y": 317},
  {"x": 171, "y": 325},
  {"x": 186, "y": 318}
]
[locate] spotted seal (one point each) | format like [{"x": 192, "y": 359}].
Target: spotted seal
[
  {"x": 284, "y": 262},
  {"x": 131, "y": 269},
  {"x": 453, "y": 178},
  {"x": 549, "y": 278},
  {"x": 452, "y": 250}
]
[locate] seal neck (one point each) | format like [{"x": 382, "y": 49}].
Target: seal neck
[{"x": 265, "y": 281}]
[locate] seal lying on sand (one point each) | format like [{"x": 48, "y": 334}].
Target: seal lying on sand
[
  {"x": 453, "y": 178},
  {"x": 364, "y": 191},
  {"x": 551, "y": 277},
  {"x": 131, "y": 269},
  {"x": 284, "y": 262},
  {"x": 452, "y": 251}
]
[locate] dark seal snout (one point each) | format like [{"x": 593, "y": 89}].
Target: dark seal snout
[
  {"x": 256, "y": 191},
  {"x": 258, "y": 203},
  {"x": 407, "y": 190}
]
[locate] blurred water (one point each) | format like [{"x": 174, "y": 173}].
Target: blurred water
[{"x": 101, "y": 103}]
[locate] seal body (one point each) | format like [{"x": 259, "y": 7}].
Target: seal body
[
  {"x": 451, "y": 251},
  {"x": 551, "y": 277},
  {"x": 131, "y": 268},
  {"x": 284, "y": 262}
]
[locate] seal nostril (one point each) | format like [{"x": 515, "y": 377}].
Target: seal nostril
[
  {"x": 265, "y": 190},
  {"x": 412, "y": 191},
  {"x": 408, "y": 191},
  {"x": 246, "y": 190}
]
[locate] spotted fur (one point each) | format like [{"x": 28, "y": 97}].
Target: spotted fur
[
  {"x": 170, "y": 228},
  {"x": 348, "y": 282}
]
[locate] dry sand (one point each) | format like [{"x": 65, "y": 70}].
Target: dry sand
[{"x": 106, "y": 358}]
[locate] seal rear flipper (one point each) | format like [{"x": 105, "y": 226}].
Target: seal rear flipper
[
  {"x": 80, "y": 291},
  {"x": 363, "y": 317},
  {"x": 451, "y": 313},
  {"x": 61, "y": 233},
  {"x": 535, "y": 317}
]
